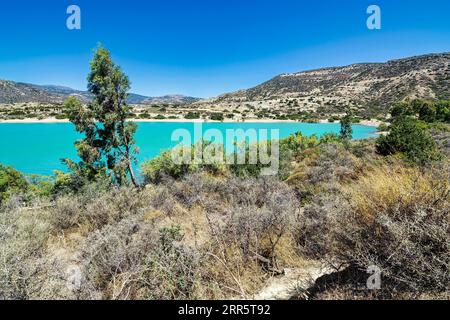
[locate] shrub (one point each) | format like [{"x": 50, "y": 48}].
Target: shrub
[
  {"x": 165, "y": 166},
  {"x": 408, "y": 137},
  {"x": 392, "y": 218},
  {"x": 113, "y": 206},
  {"x": 298, "y": 143},
  {"x": 145, "y": 115},
  {"x": 23, "y": 235},
  {"x": 11, "y": 182},
  {"x": 132, "y": 260},
  {"x": 192, "y": 115},
  {"x": 66, "y": 212},
  {"x": 334, "y": 163},
  {"x": 402, "y": 109},
  {"x": 260, "y": 222},
  {"x": 217, "y": 116},
  {"x": 402, "y": 217},
  {"x": 383, "y": 127}
]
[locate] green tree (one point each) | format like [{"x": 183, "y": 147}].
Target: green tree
[
  {"x": 11, "y": 182},
  {"x": 109, "y": 146},
  {"x": 346, "y": 133},
  {"x": 425, "y": 109},
  {"x": 409, "y": 137},
  {"x": 402, "y": 109},
  {"x": 443, "y": 110},
  {"x": 217, "y": 116}
]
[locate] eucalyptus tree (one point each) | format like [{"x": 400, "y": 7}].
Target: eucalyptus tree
[{"x": 108, "y": 146}]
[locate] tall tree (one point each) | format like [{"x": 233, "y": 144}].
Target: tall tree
[
  {"x": 108, "y": 146},
  {"x": 346, "y": 133}
]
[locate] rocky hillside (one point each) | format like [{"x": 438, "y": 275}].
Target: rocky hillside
[
  {"x": 170, "y": 99},
  {"x": 359, "y": 85},
  {"x": 14, "y": 92}
]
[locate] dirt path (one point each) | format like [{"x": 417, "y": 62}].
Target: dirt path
[{"x": 292, "y": 283}]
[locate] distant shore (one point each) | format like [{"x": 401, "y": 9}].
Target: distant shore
[{"x": 370, "y": 123}]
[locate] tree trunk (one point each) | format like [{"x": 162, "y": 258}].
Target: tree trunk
[{"x": 133, "y": 178}]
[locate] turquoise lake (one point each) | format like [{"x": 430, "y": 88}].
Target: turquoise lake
[{"x": 37, "y": 148}]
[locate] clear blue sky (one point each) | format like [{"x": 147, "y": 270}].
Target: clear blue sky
[{"x": 205, "y": 48}]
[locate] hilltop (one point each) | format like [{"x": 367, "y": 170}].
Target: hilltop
[{"x": 366, "y": 87}]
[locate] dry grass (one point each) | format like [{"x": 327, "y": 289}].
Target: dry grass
[
  {"x": 383, "y": 187},
  {"x": 395, "y": 218}
]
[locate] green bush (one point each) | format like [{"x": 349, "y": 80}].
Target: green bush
[
  {"x": 383, "y": 127},
  {"x": 297, "y": 143},
  {"x": 145, "y": 115},
  {"x": 192, "y": 115},
  {"x": 164, "y": 165},
  {"x": 425, "y": 110},
  {"x": 402, "y": 109},
  {"x": 408, "y": 137},
  {"x": 217, "y": 116},
  {"x": 11, "y": 182}
]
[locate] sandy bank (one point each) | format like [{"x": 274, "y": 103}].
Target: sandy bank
[{"x": 371, "y": 123}]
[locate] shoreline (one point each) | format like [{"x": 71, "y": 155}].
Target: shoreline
[{"x": 369, "y": 123}]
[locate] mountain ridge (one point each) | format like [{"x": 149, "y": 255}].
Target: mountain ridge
[
  {"x": 21, "y": 92},
  {"x": 357, "y": 85}
]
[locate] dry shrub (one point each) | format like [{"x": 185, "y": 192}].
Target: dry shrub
[
  {"x": 334, "y": 163},
  {"x": 66, "y": 212},
  {"x": 113, "y": 206},
  {"x": 90, "y": 211},
  {"x": 251, "y": 239},
  {"x": 316, "y": 223},
  {"x": 226, "y": 273},
  {"x": 394, "y": 218},
  {"x": 387, "y": 187},
  {"x": 132, "y": 260},
  {"x": 246, "y": 228},
  {"x": 161, "y": 197},
  {"x": 235, "y": 233},
  {"x": 324, "y": 171},
  {"x": 402, "y": 215},
  {"x": 258, "y": 228},
  {"x": 23, "y": 234},
  {"x": 442, "y": 138}
]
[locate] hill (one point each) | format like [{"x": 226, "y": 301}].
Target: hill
[
  {"x": 16, "y": 92},
  {"x": 362, "y": 85}
]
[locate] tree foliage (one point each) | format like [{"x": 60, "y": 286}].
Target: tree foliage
[
  {"x": 409, "y": 137},
  {"x": 11, "y": 182},
  {"x": 346, "y": 133},
  {"x": 108, "y": 147},
  {"x": 425, "y": 110}
]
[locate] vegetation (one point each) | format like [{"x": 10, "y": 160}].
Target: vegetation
[
  {"x": 408, "y": 137},
  {"x": 214, "y": 231},
  {"x": 192, "y": 115},
  {"x": 12, "y": 182},
  {"x": 346, "y": 133},
  {"x": 108, "y": 147},
  {"x": 217, "y": 116}
]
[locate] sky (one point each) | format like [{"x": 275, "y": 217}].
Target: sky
[{"x": 206, "y": 48}]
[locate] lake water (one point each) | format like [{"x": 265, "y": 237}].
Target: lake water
[{"x": 37, "y": 148}]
